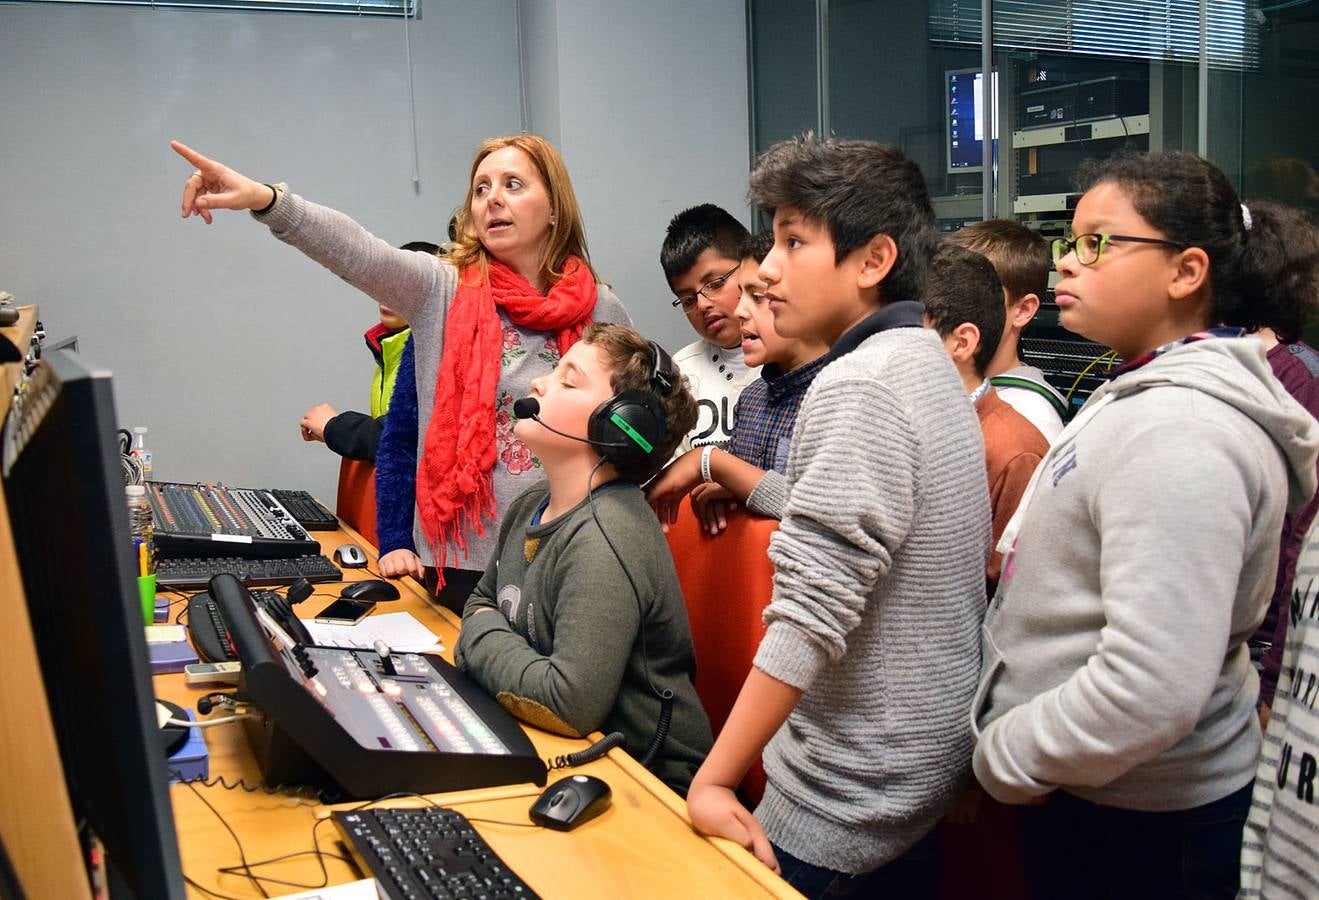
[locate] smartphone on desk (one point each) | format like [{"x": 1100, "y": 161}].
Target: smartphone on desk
[{"x": 345, "y": 612}]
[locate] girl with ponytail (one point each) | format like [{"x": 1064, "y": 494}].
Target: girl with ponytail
[{"x": 1118, "y": 696}]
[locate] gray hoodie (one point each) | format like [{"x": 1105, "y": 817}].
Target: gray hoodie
[{"x": 1115, "y": 660}]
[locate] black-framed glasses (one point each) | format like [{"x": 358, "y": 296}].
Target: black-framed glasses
[
  {"x": 1090, "y": 246},
  {"x": 688, "y": 301}
]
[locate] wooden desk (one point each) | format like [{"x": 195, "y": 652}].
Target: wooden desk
[{"x": 642, "y": 846}]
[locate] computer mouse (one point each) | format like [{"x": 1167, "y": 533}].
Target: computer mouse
[
  {"x": 571, "y": 801},
  {"x": 371, "y": 589},
  {"x": 350, "y": 556}
]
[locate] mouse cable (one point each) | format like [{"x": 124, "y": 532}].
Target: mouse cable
[
  {"x": 208, "y": 892},
  {"x": 245, "y": 867},
  {"x": 321, "y": 856},
  {"x": 183, "y": 610},
  {"x": 501, "y": 822},
  {"x": 239, "y": 844},
  {"x": 368, "y": 570},
  {"x": 449, "y": 806},
  {"x": 665, "y": 696}
]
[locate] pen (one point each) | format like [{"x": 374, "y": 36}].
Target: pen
[{"x": 143, "y": 559}]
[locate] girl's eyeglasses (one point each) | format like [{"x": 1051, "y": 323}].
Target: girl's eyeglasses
[{"x": 1090, "y": 246}]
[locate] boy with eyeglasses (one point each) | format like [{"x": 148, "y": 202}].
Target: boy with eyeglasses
[
  {"x": 700, "y": 257},
  {"x": 752, "y": 470}
]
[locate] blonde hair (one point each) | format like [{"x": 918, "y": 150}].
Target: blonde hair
[{"x": 567, "y": 235}]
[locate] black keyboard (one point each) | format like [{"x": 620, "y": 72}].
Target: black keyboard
[
  {"x": 309, "y": 511},
  {"x": 183, "y": 574},
  {"x": 210, "y": 636},
  {"x": 427, "y": 854}
]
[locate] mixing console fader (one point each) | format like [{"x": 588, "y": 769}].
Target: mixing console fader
[{"x": 193, "y": 520}]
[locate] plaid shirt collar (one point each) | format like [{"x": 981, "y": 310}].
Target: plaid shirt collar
[
  {"x": 1132, "y": 365},
  {"x": 782, "y": 384}
]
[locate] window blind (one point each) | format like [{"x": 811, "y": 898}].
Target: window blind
[
  {"x": 1166, "y": 30},
  {"x": 339, "y": 7}
]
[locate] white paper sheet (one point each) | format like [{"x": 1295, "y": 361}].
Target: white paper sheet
[
  {"x": 355, "y": 890},
  {"x": 399, "y": 630}
]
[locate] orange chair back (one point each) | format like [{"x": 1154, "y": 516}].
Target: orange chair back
[
  {"x": 356, "y": 502},
  {"x": 727, "y": 580}
]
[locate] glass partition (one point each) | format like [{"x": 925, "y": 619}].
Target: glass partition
[{"x": 1071, "y": 79}]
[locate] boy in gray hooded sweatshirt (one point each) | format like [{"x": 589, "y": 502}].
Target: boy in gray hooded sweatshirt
[{"x": 1117, "y": 688}]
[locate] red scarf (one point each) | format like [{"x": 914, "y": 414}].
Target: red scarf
[{"x": 454, "y": 484}]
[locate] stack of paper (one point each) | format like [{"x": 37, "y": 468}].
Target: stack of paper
[
  {"x": 169, "y": 648},
  {"x": 356, "y": 890},
  {"x": 400, "y": 631}
]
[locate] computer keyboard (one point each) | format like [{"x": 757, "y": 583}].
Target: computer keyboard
[
  {"x": 210, "y": 636},
  {"x": 184, "y": 574},
  {"x": 309, "y": 511},
  {"x": 427, "y": 854}
]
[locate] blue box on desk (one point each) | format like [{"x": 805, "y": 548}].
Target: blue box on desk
[{"x": 191, "y": 762}]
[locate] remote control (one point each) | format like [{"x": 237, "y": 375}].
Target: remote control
[{"x": 212, "y": 673}]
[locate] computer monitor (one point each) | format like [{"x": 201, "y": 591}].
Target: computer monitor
[
  {"x": 967, "y": 114},
  {"x": 64, "y": 489}
]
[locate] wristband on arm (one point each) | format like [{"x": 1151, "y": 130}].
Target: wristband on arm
[{"x": 705, "y": 464}]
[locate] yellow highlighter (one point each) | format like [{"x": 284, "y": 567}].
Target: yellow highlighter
[{"x": 143, "y": 559}]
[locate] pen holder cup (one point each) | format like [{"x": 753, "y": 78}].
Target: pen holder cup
[{"x": 146, "y": 593}]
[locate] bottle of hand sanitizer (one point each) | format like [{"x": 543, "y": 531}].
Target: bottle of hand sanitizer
[{"x": 142, "y": 451}]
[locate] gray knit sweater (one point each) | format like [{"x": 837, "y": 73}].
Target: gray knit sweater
[
  {"x": 879, "y": 591},
  {"x": 419, "y": 287}
]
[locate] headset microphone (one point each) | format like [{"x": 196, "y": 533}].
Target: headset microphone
[
  {"x": 529, "y": 408},
  {"x": 626, "y": 428}
]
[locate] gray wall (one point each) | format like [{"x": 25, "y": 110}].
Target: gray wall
[
  {"x": 221, "y": 337},
  {"x": 648, "y": 104}
]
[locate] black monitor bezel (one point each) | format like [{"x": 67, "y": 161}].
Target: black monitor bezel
[{"x": 64, "y": 492}]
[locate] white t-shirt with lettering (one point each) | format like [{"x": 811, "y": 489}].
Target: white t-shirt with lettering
[{"x": 716, "y": 377}]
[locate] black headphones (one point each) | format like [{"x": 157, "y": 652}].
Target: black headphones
[{"x": 638, "y": 416}]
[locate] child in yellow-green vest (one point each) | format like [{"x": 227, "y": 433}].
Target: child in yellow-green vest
[{"x": 356, "y": 435}]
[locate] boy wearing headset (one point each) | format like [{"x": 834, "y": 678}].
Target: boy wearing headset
[{"x": 578, "y": 623}]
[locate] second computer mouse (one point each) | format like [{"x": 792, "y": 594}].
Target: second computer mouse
[
  {"x": 350, "y": 556},
  {"x": 571, "y": 801},
  {"x": 371, "y": 589}
]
